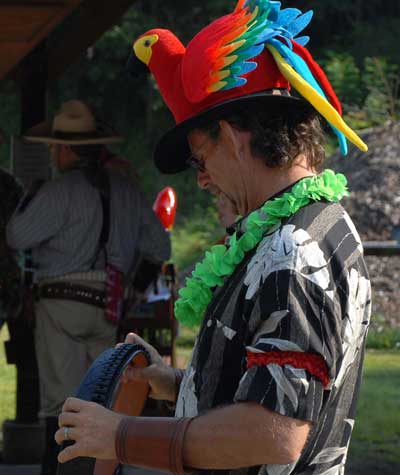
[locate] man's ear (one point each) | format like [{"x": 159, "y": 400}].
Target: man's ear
[
  {"x": 231, "y": 137},
  {"x": 237, "y": 140}
]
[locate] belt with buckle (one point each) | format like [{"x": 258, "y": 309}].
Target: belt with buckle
[{"x": 78, "y": 293}]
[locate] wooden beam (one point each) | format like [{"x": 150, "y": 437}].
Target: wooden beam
[
  {"x": 27, "y": 25},
  {"x": 32, "y": 2},
  {"x": 87, "y": 24},
  {"x": 21, "y": 23}
]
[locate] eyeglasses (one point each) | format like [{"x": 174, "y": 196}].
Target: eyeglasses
[{"x": 199, "y": 164}]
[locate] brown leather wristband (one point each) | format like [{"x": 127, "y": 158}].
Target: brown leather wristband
[{"x": 152, "y": 442}]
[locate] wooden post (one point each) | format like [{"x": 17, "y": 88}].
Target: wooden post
[
  {"x": 33, "y": 87},
  {"x": 23, "y": 441}
]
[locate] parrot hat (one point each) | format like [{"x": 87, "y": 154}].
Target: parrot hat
[{"x": 252, "y": 56}]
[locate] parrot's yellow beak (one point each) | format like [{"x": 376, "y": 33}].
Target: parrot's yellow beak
[{"x": 143, "y": 47}]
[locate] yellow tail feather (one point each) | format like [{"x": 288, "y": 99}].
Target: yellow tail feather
[{"x": 319, "y": 102}]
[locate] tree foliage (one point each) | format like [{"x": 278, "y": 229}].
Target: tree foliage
[{"x": 356, "y": 41}]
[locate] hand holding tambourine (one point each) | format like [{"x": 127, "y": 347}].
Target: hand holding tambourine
[{"x": 117, "y": 384}]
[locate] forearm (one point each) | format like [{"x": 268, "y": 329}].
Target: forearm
[
  {"x": 240, "y": 435},
  {"x": 243, "y": 435}
]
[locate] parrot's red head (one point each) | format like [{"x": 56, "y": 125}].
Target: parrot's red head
[
  {"x": 162, "y": 52},
  {"x": 160, "y": 43},
  {"x": 250, "y": 56}
]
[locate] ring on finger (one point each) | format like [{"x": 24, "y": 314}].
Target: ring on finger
[{"x": 66, "y": 433}]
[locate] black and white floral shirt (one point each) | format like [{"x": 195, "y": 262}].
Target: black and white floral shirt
[{"x": 288, "y": 331}]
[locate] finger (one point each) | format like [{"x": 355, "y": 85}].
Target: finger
[
  {"x": 132, "y": 338},
  {"x": 69, "y": 419},
  {"x": 70, "y": 452},
  {"x": 73, "y": 404},
  {"x": 59, "y": 436}
]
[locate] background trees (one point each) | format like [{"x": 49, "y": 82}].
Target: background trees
[{"x": 356, "y": 42}]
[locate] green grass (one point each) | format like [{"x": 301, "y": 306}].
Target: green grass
[
  {"x": 7, "y": 383},
  {"x": 377, "y": 428}
]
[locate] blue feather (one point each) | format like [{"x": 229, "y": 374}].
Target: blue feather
[
  {"x": 244, "y": 68},
  {"x": 342, "y": 142},
  {"x": 234, "y": 82},
  {"x": 301, "y": 67},
  {"x": 287, "y": 41},
  {"x": 300, "y": 23},
  {"x": 302, "y": 40},
  {"x": 288, "y": 15},
  {"x": 266, "y": 35},
  {"x": 275, "y": 8},
  {"x": 251, "y": 52}
]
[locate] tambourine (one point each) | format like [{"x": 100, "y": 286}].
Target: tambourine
[{"x": 103, "y": 384}]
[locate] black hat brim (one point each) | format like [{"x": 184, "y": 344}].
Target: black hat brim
[{"x": 172, "y": 149}]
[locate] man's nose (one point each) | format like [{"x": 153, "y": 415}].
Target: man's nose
[{"x": 203, "y": 179}]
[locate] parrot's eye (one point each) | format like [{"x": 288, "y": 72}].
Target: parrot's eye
[{"x": 147, "y": 43}]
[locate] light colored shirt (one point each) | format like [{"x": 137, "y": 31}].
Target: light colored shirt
[{"x": 62, "y": 226}]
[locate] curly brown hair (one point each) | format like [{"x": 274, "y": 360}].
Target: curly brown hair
[{"x": 279, "y": 135}]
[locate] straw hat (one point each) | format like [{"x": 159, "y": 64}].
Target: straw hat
[{"x": 75, "y": 124}]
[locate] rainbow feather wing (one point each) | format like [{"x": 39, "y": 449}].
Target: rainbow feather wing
[
  {"x": 222, "y": 54},
  {"x": 261, "y": 21}
]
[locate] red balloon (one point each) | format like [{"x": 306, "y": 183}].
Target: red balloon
[{"x": 165, "y": 207}]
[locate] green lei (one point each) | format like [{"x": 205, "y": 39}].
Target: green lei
[{"x": 221, "y": 261}]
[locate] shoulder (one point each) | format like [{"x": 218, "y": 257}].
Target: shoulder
[
  {"x": 320, "y": 237},
  {"x": 327, "y": 224}
]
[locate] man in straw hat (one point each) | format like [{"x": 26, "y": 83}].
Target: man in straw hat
[
  {"x": 283, "y": 309},
  {"x": 86, "y": 229}
]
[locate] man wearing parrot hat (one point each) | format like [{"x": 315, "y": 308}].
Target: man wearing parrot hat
[{"x": 284, "y": 307}]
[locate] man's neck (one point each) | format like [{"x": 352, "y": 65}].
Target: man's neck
[{"x": 264, "y": 182}]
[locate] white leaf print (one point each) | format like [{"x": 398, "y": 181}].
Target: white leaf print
[
  {"x": 280, "y": 396},
  {"x": 271, "y": 323},
  {"x": 353, "y": 230},
  {"x": 284, "y": 345},
  {"x": 354, "y": 326},
  {"x": 252, "y": 349},
  {"x": 228, "y": 332},
  {"x": 283, "y": 384},
  {"x": 336, "y": 470},
  {"x": 301, "y": 375},
  {"x": 286, "y": 249},
  {"x": 350, "y": 422},
  {"x": 329, "y": 454},
  {"x": 186, "y": 403},
  {"x": 281, "y": 469}
]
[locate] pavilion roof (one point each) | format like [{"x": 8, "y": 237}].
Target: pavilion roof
[{"x": 69, "y": 26}]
